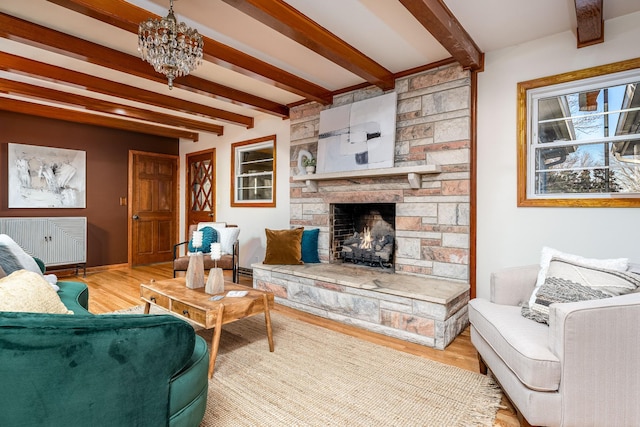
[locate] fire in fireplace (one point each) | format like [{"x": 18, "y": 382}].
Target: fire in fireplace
[{"x": 364, "y": 233}]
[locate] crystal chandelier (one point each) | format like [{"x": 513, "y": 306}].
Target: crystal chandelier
[{"x": 172, "y": 48}]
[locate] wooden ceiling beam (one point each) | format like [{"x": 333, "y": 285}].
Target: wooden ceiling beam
[
  {"x": 14, "y": 63},
  {"x": 127, "y": 16},
  {"x": 436, "y": 17},
  {"x": 58, "y": 42},
  {"x": 107, "y": 107},
  {"x": 41, "y": 110},
  {"x": 288, "y": 21},
  {"x": 590, "y": 22}
]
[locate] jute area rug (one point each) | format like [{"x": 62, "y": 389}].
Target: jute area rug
[{"x": 318, "y": 377}]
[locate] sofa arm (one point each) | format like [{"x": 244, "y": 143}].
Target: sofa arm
[
  {"x": 513, "y": 286},
  {"x": 75, "y": 296},
  {"x": 67, "y": 369},
  {"x": 598, "y": 343}
]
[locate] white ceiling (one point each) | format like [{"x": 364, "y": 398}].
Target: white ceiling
[{"x": 384, "y": 30}]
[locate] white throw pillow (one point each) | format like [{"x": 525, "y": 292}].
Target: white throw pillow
[
  {"x": 227, "y": 237},
  {"x": 216, "y": 225},
  {"x": 53, "y": 281},
  {"x": 13, "y": 257},
  {"x": 618, "y": 264},
  {"x": 26, "y": 291},
  {"x": 567, "y": 281}
]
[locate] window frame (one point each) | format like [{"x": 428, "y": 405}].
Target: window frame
[
  {"x": 244, "y": 146},
  {"x": 576, "y": 80}
]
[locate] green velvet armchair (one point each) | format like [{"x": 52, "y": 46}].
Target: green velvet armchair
[{"x": 100, "y": 370}]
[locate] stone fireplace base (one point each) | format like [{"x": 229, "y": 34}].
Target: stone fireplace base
[{"x": 423, "y": 310}]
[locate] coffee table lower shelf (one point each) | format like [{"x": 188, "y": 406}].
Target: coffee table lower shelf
[{"x": 196, "y": 306}]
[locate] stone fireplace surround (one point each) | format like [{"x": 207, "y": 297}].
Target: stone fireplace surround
[{"x": 424, "y": 300}]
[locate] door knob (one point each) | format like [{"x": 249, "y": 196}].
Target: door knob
[
  {"x": 211, "y": 215},
  {"x": 135, "y": 217}
]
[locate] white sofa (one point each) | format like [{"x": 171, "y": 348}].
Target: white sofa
[{"x": 583, "y": 369}]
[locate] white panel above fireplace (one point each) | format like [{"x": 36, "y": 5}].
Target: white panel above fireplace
[{"x": 358, "y": 136}]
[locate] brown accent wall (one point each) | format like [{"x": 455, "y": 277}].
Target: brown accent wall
[{"x": 107, "y": 152}]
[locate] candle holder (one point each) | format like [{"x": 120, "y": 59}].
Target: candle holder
[
  {"x": 195, "y": 271},
  {"x": 215, "y": 281}
]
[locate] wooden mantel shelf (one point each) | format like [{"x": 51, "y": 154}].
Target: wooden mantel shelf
[{"x": 414, "y": 175}]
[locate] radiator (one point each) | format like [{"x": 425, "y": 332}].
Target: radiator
[{"x": 55, "y": 240}]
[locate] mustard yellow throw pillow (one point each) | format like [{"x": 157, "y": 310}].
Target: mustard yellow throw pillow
[
  {"x": 26, "y": 291},
  {"x": 284, "y": 246}
]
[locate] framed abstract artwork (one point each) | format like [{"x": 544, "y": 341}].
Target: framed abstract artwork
[
  {"x": 358, "y": 136},
  {"x": 46, "y": 177}
]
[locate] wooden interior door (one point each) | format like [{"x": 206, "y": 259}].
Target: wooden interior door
[
  {"x": 153, "y": 207},
  {"x": 201, "y": 182}
]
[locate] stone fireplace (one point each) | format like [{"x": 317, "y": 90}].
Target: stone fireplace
[
  {"x": 362, "y": 233},
  {"x": 422, "y": 293}
]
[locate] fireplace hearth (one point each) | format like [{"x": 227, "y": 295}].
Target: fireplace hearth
[{"x": 364, "y": 233}]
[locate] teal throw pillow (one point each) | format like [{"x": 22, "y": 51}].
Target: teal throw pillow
[
  {"x": 209, "y": 236},
  {"x": 310, "y": 246}
]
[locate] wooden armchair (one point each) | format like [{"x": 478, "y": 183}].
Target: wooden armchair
[{"x": 226, "y": 262}]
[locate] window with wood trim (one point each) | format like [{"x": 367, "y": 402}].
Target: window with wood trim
[
  {"x": 579, "y": 138},
  {"x": 253, "y": 180}
]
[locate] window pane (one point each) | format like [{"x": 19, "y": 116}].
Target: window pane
[
  {"x": 257, "y": 187},
  {"x": 572, "y": 156},
  {"x": 260, "y": 193},
  {"x": 588, "y": 168},
  {"x": 577, "y": 181},
  {"x": 598, "y": 113},
  {"x": 256, "y": 161}
]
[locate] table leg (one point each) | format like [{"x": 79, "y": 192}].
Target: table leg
[
  {"x": 267, "y": 319},
  {"x": 215, "y": 341},
  {"x": 147, "y": 307}
]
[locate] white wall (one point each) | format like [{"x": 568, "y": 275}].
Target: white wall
[
  {"x": 252, "y": 221},
  {"x": 508, "y": 235}
]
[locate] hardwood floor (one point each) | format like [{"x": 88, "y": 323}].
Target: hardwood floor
[{"x": 119, "y": 288}]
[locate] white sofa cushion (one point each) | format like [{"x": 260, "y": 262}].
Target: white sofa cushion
[{"x": 521, "y": 343}]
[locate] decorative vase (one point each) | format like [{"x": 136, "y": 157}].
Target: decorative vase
[
  {"x": 195, "y": 271},
  {"x": 215, "y": 282},
  {"x": 310, "y": 169}
]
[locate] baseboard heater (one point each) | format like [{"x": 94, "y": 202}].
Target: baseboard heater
[{"x": 245, "y": 271}]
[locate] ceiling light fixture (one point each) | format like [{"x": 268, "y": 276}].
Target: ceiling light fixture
[{"x": 172, "y": 48}]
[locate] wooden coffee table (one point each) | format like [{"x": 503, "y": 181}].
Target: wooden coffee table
[{"x": 195, "y": 305}]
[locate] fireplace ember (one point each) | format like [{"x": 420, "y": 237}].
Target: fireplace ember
[
  {"x": 368, "y": 248},
  {"x": 366, "y": 239}
]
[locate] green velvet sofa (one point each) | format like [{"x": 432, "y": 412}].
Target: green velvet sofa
[{"x": 100, "y": 370}]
